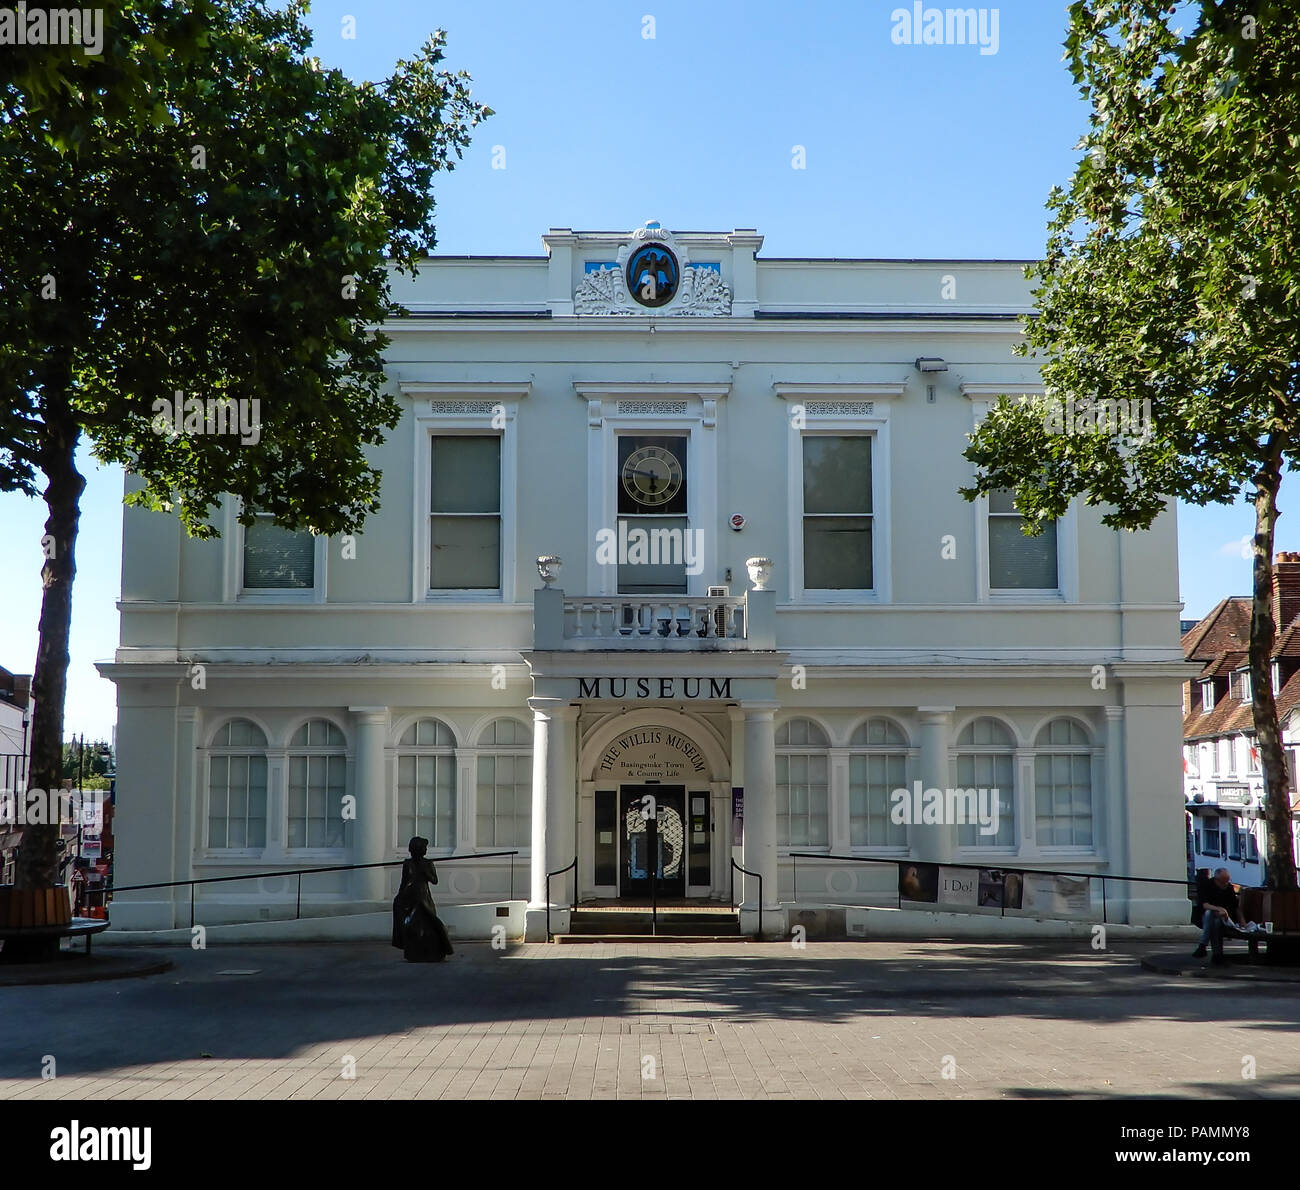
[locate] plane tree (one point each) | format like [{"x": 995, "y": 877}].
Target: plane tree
[
  {"x": 1171, "y": 277},
  {"x": 222, "y": 226}
]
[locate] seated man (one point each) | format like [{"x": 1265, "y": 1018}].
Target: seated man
[{"x": 1221, "y": 914}]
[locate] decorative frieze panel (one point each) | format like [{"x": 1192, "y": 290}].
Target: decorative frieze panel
[
  {"x": 652, "y": 408},
  {"x": 838, "y": 408},
  {"x": 665, "y": 282},
  {"x": 463, "y": 408}
]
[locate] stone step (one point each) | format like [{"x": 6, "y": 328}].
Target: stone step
[
  {"x": 652, "y": 939},
  {"x": 625, "y": 923}
]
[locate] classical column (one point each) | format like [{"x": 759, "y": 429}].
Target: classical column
[
  {"x": 190, "y": 802},
  {"x": 1112, "y": 812},
  {"x": 372, "y": 835},
  {"x": 1026, "y": 838},
  {"x": 760, "y": 817},
  {"x": 554, "y": 808},
  {"x": 933, "y": 842}
]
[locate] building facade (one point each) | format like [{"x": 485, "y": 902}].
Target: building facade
[
  {"x": 16, "y": 708},
  {"x": 1223, "y": 782},
  {"x": 664, "y": 519}
]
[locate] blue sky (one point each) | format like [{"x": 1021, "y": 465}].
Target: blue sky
[{"x": 910, "y": 150}]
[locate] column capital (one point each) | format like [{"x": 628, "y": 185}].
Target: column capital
[
  {"x": 370, "y": 715},
  {"x": 760, "y": 709},
  {"x": 188, "y": 714},
  {"x": 1113, "y": 714},
  {"x": 553, "y": 708}
]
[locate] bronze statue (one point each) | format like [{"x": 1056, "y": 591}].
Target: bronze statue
[{"x": 417, "y": 932}]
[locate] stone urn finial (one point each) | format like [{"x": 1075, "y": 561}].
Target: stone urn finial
[
  {"x": 548, "y": 566},
  {"x": 760, "y": 572}
]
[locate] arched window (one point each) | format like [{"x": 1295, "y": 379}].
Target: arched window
[
  {"x": 237, "y": 787},
  {"x": 505, "y": 784},
  {"x": 986, "y": 760},
  {"x": 317, "y": 775},
  {"x": 802, "y": 818},
  {"x": 1063, "y": 786},
  {"x": 426, "y": 784},
  {"x": 877, "y": 766}
]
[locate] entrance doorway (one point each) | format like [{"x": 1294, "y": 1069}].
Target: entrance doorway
[{"x": 653, "y": 829}]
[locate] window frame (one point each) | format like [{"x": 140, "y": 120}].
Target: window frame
[
  {"x": 210, "y": 750},
  {"x": 292, "y": 751},
  {"x": 438, "y": 751},
  {"x": 607, "y": 421},
  {"x": 451, "y": 409},
  {"x": 426, "y": 562},
  {"x": 481, "y": 749},
  {"x": 807, "y": 751},
  {"x": 1089, "y": 751},
  {"x": 992, "y": 594},
  {"x": 822, "y": 409},
  {"x": 904, "y": 750},
  {"x": 981, "y": 397},
  {"x": 234, "y": 590},
  {"x": 1010, "y": 749}
]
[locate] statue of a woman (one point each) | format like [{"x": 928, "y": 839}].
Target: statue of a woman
[{"x": 417, "y": 932}]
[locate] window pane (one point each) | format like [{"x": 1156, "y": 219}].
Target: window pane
[
  {"x": 664, "y": 570},
  {"x": 277, "y": 558},
  {"x": 836, "y": 474},
  {"x": 466, "y": 553},
  {"x": 466, "y": 474},
  {"x": 1017, "y": 562},
  {"x": 837, "y": 553}
]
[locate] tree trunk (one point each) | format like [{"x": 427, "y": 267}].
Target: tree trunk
[
  {"x": 38, "y": 857},
  {"x": 1263, "y": 634}
]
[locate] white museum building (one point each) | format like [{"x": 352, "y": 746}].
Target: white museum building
[{"x": 663, "y": 519}]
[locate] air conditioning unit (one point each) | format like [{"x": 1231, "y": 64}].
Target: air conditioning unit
[{"x": 719, "y": 613}]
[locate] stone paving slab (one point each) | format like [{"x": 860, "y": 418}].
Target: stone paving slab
[{"x": 658, "y": 1021}]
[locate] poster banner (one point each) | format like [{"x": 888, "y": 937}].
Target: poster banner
[
  {"x": 918, "y": 882},
  {"x": 1058, "y": 896},
  {"x": 999, "y": 889},
  {"x": 737, "y": 815},
  {"x": 958, "y": 886}
]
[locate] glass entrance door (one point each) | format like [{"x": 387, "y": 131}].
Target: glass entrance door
[{"x": 653, "y": 829}]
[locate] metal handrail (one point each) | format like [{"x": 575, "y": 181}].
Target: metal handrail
[
  {"x": 735, "y": 867},
  {"x": 1012, "y": 867},
  {"x": 560, "y": 872},
  {"x": 300, "y": 872}
]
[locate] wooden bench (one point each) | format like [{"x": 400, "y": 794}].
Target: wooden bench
[
  {"x": 1281, "y": 907},
  {"x": 36, "y": 918}
]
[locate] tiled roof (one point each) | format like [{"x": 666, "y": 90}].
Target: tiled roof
[
  {"x": 1230, "y": 715},
  {"x": 1221, "y": 641},
  {"x": 1226, "y": 628}
]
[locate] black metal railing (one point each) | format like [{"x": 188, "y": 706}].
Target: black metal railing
[
  {"x": 735, "y": 867},
  {"x": 987, "y": 866},
  {"x": 560, "y": 872},
  {"x": 300, "y": 872}
]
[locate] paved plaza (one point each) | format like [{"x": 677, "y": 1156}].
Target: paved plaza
[{"x": 675, "y": 1021}]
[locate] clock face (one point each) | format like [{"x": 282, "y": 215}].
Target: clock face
[{"x": 652, "y": 476}]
